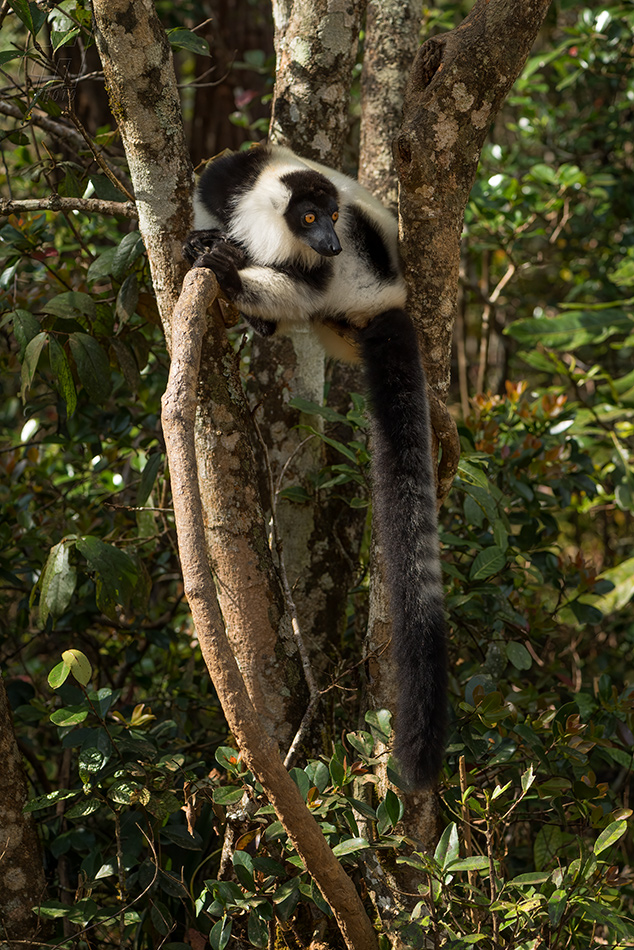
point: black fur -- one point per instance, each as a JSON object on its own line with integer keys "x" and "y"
{"x": 404, "y": 492}
{"x": 228, "y": 177}
{"x": 314, "y": 277}
{"x": 370, "y": 245}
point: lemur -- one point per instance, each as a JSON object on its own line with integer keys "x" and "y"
{"x": 293, "y": 242}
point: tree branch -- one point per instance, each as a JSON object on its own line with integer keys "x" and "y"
{"x": 126, "y": 209}
{"x": 257, "y": 748}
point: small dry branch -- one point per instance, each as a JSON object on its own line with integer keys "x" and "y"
{"x": 56, "y": 203}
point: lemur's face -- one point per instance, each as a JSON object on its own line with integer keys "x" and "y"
{"x": 313, "y": 222}
{"x": 312, "y": 210}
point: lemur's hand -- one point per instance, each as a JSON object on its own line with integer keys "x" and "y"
{"x": 225, "y": 260}
{"x": 212, "y": 249}
{"x": 200, "y": 242}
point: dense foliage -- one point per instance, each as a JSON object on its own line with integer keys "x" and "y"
{"x": 154, "y": 834}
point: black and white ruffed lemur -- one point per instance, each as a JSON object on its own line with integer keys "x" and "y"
{"x": 294, "y": 243}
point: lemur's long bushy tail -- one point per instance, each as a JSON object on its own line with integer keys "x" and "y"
{"x": 404, "y": 492}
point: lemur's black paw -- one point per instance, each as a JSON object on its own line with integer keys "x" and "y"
{"x": 225, "y": 260}
{"x": 199, "y": 242}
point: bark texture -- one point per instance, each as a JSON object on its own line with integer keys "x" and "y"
{"x": 144, "y": 97}
{"x": 249, "y": 591}
{"x": 316, "y": 45}
{"x": 258, "y": 749}
{"x": 457, "y": 85}
{"x": 139, "y": 73}
{"x": 22, "y": 883}
{"x": 391, "y": 41}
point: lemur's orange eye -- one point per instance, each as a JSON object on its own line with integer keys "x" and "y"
{"x": 309, "y": 218}
{"x": 335, "y": 215}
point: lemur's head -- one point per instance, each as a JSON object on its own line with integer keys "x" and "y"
{"x": 312, "y": 211}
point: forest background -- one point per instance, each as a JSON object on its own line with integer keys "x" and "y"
{"x": 153, "y": 831}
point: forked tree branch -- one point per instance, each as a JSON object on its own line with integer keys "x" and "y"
{"x": 257, "y": 748}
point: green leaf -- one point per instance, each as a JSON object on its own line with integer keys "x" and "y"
{"x": 394, "y": 807}
{"x": 314, "y": 409}
{"x": 58, "y": 675}
{"x": 476, "y": 863}
{"x": 351, "y": 846}
{"x": 91, "y": 761}
{"x": 25, "y": 328}
{"x": 622, "y": 577}
{"x": 93, "y": 366}
{"x": 528, "y": 777}
{"x": 127, "y": 363}
{"x": 30, "y": 14}
{"x": 228, "y": 795}
{"x": 64, "y": 381}
{"x": 129, "y": 250}
{"x": 69, "y": 715}
{"x": 72, "y": 304}
{"x": 296, "y": 494}
{"x": 572, "y": 329}
{"x": 58, "y": 582}
{"x": 79, "y": 665}
{"x": 519, "y": 656}
{"x": 125, "y": 791}
{"x": 6, "y": 55}
{"x": 220, "y": 934}
{"x": 556, "y": 907}
{"x": 488, "y": 562}
{"x": 45, "y": 801}
{"x": 448, "y": 848}
{"x": 546, "y": 845}
{"x": 62, "y": 39}
{"x": 257, "y": 930}
{"x": 117, "y": 574}
{"x": 380, "y": 722}
{"x": 243, "y": 866}
{"x": 184, "y": 39}
{"x": 32, "y": 355}
{"x": 82, "y": 809}
{"x": 127, "y": 298}
{"x": 609, "y": 836}
{"x": 148, "y": 477}
{"x": 102, "y": 266}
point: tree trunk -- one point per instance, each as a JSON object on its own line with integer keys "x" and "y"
{"x": 257, "y": 748}
{"x": 21, "y": 872}
{"x": 449, "y": 107}
{"x": 392, "y": 28}
{"x": 316, "y": 44}
{"x": 140, "y": 78}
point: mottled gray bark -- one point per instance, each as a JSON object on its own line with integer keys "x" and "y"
{"x": 391, "y": 40}
{"x": 22, "y": 883}
{"x": 139, "y": 74}
{"x": 316, "y": 43}
{"x": 144, "y": 98}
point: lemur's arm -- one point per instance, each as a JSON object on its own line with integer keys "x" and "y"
{"x": 267, "y": 293}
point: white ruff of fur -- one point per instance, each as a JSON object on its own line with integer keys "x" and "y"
{"x": 258, "y": 220}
